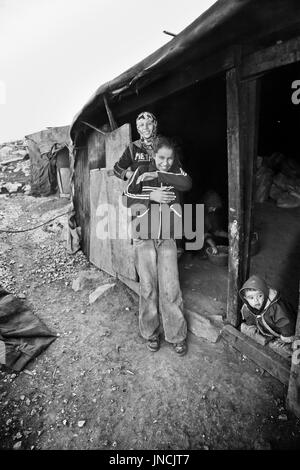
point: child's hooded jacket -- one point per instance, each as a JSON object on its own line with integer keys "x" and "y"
{"x": 154, "y": 222}
{"x": 276, "y": 317}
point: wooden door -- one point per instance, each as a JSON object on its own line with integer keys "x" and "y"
{"x": 113, "y": 254}
{"x": 122, "y": 249}
{"x": 100, "y": 246}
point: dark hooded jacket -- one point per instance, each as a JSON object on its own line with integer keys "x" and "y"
{"x": 154, "y": 220}
{"x": 135, "y": 155}
{"x": 276, "y": 317}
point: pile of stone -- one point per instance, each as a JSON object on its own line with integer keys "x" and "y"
{"x": 13, "y": 151}
{"x": 15, "y": 177}
{"x": 14, "y": 168}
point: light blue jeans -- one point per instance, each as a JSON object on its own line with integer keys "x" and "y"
{"x": 160, "y": 292}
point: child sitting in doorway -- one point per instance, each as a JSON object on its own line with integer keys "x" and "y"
{"x": 266, "y": 315}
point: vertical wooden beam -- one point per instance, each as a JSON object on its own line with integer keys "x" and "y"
{"x": 293, "y": 396}
{"x": 250, "y": 122}
{"x": 241, "y": 147}
{"x": 82, "y": 197}
{"x": 111, "y": 119}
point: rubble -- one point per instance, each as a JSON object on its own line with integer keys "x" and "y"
{"x": 13, "y": 151}
{"x": 86, "y": 280}
{"x": 99, "y": 291}
{"x": 18, "y": 445}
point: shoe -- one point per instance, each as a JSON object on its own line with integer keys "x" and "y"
{"x": 180, "y": 348}
{"x": 153, "y": 344}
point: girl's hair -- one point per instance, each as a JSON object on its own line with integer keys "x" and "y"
{"x": 162, "y": 141}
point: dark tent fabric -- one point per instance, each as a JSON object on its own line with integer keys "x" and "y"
{"x": 43, "y": 171}
{"x": 23, "y": 336}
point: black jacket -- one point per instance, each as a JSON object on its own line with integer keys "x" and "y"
{"x": 134, "y": 155}
{"x": 153, "y": 220}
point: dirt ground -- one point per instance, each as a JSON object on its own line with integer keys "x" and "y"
{"x": 97, "y": 386}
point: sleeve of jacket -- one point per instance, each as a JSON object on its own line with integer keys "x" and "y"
{"x": 247, "y": 317}
{"x": 284, "y": 322}
{"x": 133, "y": 190}
{"x": 180, "y": 180}
{"x": 123, "y": 164}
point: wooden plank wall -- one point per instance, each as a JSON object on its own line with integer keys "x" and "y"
{"x": 100, "y": 247}
{"x": 122, "y": 249}
{"x": 96, "y": 150}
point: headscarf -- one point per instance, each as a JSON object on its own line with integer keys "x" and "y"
{"x": 146, "y": 115}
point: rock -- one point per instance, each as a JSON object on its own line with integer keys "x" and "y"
{"x": 12, "y": 187}
{"x": 99, "y": 291}
{"x": 261, "y": 444}
{"x": 18, "y": 445}
{"x": 282, "y": 417}
{"x": 4, "y": 151}
{"x": 85, "y": 280}
{"x": 204, "y": 325}
{"x": 81, "y": 423}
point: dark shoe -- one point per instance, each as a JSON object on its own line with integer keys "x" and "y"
{"x": 180, "y": 348}
{"x": 153, "y": 344}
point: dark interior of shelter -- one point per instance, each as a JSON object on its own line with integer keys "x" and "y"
{"x": 277, "y": 195}
{"x": 196, "y": 118}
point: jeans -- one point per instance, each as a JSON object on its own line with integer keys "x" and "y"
{"x": 159, "y": 290}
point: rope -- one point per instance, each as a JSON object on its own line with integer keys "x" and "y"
{"x": 34, "y": 228}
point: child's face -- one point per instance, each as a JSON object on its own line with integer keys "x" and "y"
{"x": 255, "y": 298}
{"x": 145, "y": 128}
{"x": 164, "y": 159}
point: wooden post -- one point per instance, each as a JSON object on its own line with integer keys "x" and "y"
{"x": 111, "y": 119}
{"x": 251, "y": 101}
{"x": 293, "y": 396}
{"x": 241, "y": 146}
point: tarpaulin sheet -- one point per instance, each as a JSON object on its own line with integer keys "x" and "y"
{"x": 23, "y": 336}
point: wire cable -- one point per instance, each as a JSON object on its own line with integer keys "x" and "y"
{"x": 34, "y": 228}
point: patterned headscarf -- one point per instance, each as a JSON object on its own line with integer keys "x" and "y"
{"x": 146, "y": 115}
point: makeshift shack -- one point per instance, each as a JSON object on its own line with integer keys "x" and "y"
{"x": 211, "y": 86}
{"x": 49, "y": 161}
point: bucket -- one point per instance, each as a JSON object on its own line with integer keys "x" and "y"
{"x": 221, "y": 258}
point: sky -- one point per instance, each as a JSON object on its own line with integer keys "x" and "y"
{"x": 54, "y": 54}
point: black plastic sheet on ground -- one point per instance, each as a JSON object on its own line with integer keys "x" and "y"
{"x": 23, "y": 336}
